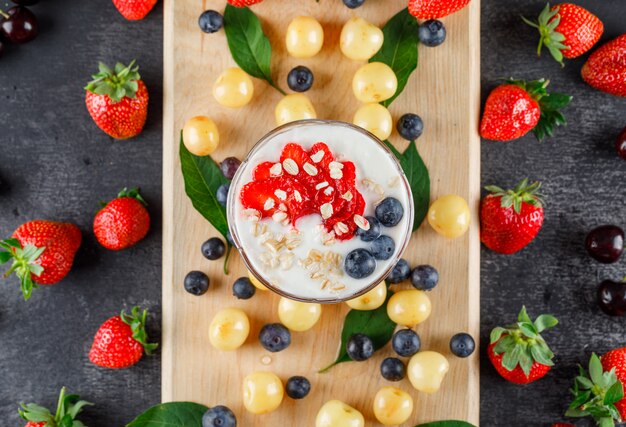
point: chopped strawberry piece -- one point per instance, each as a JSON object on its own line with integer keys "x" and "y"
{"x": 260, "y": 195}
{"x": 262, "y": 171}
{"x": 325, "y": 159}
{"x": 296, "y": 153}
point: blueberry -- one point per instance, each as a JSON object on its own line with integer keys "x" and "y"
{"x": 213, "y": 248}
{"x": 462, "y": 345}
{"x": 389, "y": 212}
{"x": 432, "y": 33}
{"x": 219, "y": 416}
{"x": 243, "y": 288}
{"x": 222, "y": 194}
{"x": 401, "y": 271}
{"x": 393, "y": 369}
{"x": 405, "y": 342}
{"x": 359, "y": 263}
{"x": 229, "y": 237}
{"x": 410, "y": 126}
{"x": 372, "y": 233}
{"x": 359, "y": 347}
{"x": 210, "y": 21}
{"x": 196, "y": 283}
{"x": 300, "y": 79}
{"x": 229, "y": 167}
{"x": 353, "y": 4}
{"x": 298, "y": 387}
{"x": 275, "y": 337}
{"x": 424, "y": 277}
{"x": 383, "y": 247}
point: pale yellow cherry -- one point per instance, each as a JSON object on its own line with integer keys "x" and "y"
{"x": 409, "y": 307}
{"x": 295, "y": 106}
{"x": 374, "y": 82}
{"x": 360, "y": 39}
{"x": 262, "y": 392}
{"x": 335, "y": 413}
{"x": 298, "y": 316}
{"x": 305, "y": 37}
{"x": 427, "y": 370}
{"x": 233, "y": 88}
{"x": 370, "y": 300}
{"x": 374, "y": 118}
{"x": 229, "y": 329}
{"x": 392, "y": 406}
{"x": 200, "y": 136}
{"x": 449, "y": 216}
{"x": 256, "y": 282}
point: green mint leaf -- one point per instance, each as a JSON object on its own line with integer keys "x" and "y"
{"x": 399, "y": 50}
{"x": 447, "y": 424}
{"x": 545, "y": 321}
{"x": 173, "y": 414}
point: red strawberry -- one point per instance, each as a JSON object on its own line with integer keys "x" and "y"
{"x": 67, "y": 410}
{"x": 134, "y": 10}
{"x": 567, "y": 30}
{"x": 42, "y": 253}
{"x": 117, "y": 100}
{"x": 121, "y": 341}
{"x": 605, "y": 69}
{"x": 518, "y": 352}
{"x": 262, "y": 171}
{"x": 510, "y": 220}
{"x": 435, "y": 9}
{"x": 563, "y": 425}
{"x": 616, "y": 359}
{"x": 514, "y": 109}
{"x": 243, "y": 3}
{"x": 123, "y": 221}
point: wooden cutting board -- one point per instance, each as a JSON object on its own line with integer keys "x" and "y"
{"x": 444, "y": 91}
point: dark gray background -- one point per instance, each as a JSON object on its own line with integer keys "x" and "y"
{"x": 55, "y": 164}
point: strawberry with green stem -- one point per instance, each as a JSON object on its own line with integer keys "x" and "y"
{"x": 68, "y": 408}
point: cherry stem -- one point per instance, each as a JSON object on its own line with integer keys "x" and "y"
{"x": 4, "y": 14}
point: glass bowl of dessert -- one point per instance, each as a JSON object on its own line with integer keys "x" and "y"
{"x": 320, "y": 211}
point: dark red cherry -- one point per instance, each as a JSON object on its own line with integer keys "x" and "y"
{"x": 612, "y": 297}
{"x": 25, "y": 2}
{"x": 605, "y": 243}
{"x": 19, "y": 25}
{"x": 620, "y": 144}
{"x": 1, "y": 48}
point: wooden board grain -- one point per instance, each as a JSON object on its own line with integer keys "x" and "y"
{"x": 444, "y": 90}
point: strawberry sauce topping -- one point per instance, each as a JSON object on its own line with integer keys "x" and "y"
{"x": 305, "y": 183}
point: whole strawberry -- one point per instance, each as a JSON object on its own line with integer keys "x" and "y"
{"x": 117, "y": 100}
{"x": 605, "y": 69}
{"x": 567, "y": 30}
{"x": 42, "y": 253}
{"x": 243, "y": 3}
{"x": 517, "y": 107}
{"x": 518, "y": 352}
{"x": 435, "y": 9}
{"x": 510, "y": 219}
{"x": 68, "y": 409}
{"x": 598, "y": 392}
{"x": 121, "y": 341}
{"x": 134, "y": 10}
{"x": 563, "y": 425}
{"x": 123, "y": 221}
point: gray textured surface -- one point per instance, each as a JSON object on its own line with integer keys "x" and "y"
{"x": 58, "y": 165}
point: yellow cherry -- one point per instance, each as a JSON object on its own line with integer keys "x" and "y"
{"x": 200, "y": 136}
{"x": 409, "y": 307}
{"x": 229, "y": 329}
{"x": 427, "y": 370}
{"x": 370, "y": 300}
{"x": 449, "y": 216}
{"x": 256, "y": 282}
{"x": 392, "y": 406}
{"x": 298, "y": 316}
{"x": 296, "y": 106}
{"x": 233, "y": 88}
{"x": 335, "y": 413}
{"x": 374, "y": 118}
{"x": 374, "y": 82}
{"x": 360, "y": 40}
{"x": 262, "y": 392}
{"x": 305, "y": 37}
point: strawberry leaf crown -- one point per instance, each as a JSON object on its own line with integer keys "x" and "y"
{"x": 546, "y": 23}
{"x": 595, "y": 394}
{"x": 550, "y": 105}
{"x": 521, "y": 343}
{"x": 522, "y": 193}
{"x": 137, "y": 323}
{"x": 68, "y": 408}
{"x": 25, "y": 263}
{"x": 118, "y": 83}
{"x": 132, "y": 193}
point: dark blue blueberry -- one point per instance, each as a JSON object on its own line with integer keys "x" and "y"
{"x": 432, "y": 33}
{"x": 359, "y": 263}
{"x": 219, "y": 416}
{"x": 243, "y": 288}
{"x": 213, "y": 248}
{"x": 389, "y": 212}
{"x": 298, "y": 387}
{"x": 222, "y": 194}
{"x": 401, "y": 271}
{"x": 353, "y": 4}
{"x": 406, "y": 342}
{"x": 196, "y": 283}
{"x": 462, "y": 345}
{"x": 393, "y": 369}
{"x": 275, "y": 337}
{"x": 300, "y": 79}
{"x": 410, "y": 126}
{"x": 424, "y": 277}
{"x": 210, "y": 21}
{"x": 359, "y": 347}
{"x": 229, "y": 167}
{"x": 383, "y": 247}
{"x": 372, "y": 233}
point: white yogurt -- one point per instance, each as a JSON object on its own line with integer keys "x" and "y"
{"x": 293, "y": 279}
